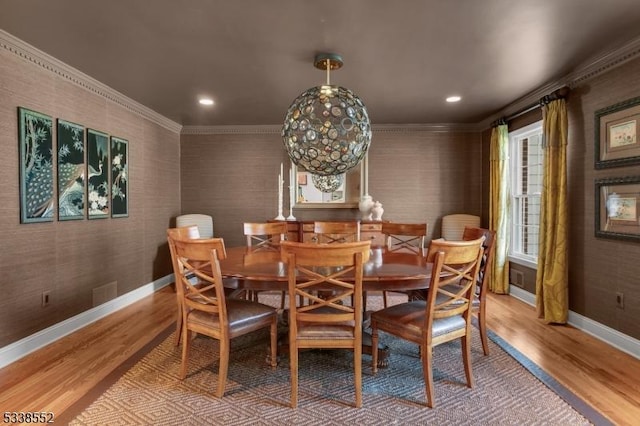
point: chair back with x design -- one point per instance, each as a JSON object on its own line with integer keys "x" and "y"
{"x": 405, "y": 237}
{"x": 265, "y": 236}
{"x": 337, "y": 232}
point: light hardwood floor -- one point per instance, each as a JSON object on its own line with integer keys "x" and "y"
{"x": 55, "y": 377}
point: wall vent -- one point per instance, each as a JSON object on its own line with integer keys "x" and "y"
{"x": 105, "y": 293}
{"x": 516, "y": 278}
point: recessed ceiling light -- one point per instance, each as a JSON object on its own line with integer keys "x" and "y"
{"x": 453, "y": 99}
{"x": 206, "y": 101}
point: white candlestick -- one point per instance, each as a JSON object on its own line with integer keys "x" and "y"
{"x": 366, "y": 175}
{"x": 280, "y": 182}
{"x": 362, "y": 188}
{"x": 292, "y": 193}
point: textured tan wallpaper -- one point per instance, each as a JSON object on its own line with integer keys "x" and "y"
{"x": 71, "y": 258}
{"x": 417, "y": 176}
{"x": 600, "y": 267}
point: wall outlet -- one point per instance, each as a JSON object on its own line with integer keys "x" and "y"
{"x": 620, "y": 300}
{"x": 46, "y": 298}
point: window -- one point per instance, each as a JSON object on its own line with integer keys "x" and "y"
{"x": 525, "y": 147}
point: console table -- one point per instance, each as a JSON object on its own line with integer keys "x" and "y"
{"x": 302, "y": 231}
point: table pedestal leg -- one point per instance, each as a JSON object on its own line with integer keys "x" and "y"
{"x": 383, "y": 350}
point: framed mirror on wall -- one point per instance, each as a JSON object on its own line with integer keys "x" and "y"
{"x": 344, "y": 191}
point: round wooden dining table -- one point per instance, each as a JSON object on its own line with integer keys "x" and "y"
{"x": 385, "y": 270}
{"x": 389, "y": 270}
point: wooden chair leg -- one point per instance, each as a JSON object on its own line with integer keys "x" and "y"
{"x": 482, "y": 326}
{"x": 179, "y": 325}
{"x": 186, "y": 343}
{"x": 224, "y": 366}
{"x": 466, "y": 358}
{"x": 357, "y": 355}
{"x": 274, "y": 342}
{"x": 427, "y": 355}
{"x": 374, "y": 347}
{"x": 293, "y": 361}
{"x": 384, "y": 299}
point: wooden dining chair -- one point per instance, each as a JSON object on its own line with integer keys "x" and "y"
{"x": 431, "y": 322}
{"x": 479, "y": 303}
{"x": 333, "y": 322}
{"x": 207, "y": 311}
{"x": 181, "y": 232}
{"x": 336, "y": 232}
{"x": 265, "y": 236}
{"x": 403, "y": 237}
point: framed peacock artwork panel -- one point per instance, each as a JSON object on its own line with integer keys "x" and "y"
{"x": 37, "y": 198}
{"x": 119, "y": 177}
{"x": 72, "y": 184}
{"x": 97, "y": 174}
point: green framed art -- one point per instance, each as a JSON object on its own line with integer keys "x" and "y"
{"x": 37, "y": 200}
{"x": 617, "y": 209}
{"x": 97, "y": 174}
{"x": 72, "y": 184}
{"x": 617, "y": 128}
{"x": 119, "y": 177}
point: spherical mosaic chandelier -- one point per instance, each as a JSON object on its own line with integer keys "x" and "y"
{"x": 328, "y": 183}
{"x": 326, "y": 130}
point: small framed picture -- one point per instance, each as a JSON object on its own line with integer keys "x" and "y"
{"x": 617, "y": 208}
{"x": 302, "y": 178}
{"x": 616, "y": 135}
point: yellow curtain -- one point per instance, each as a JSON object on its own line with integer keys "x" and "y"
{"x": 499, "y": 208}
{"x": 552, "y": 298}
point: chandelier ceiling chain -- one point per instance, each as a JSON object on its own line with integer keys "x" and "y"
{"x": 327, "y": 130}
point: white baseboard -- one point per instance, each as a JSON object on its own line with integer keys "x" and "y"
{"x": 600, "y": 331}
{"x": 23, "y": 347}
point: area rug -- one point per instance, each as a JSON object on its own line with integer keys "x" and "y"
{"x": 505, "y": 392}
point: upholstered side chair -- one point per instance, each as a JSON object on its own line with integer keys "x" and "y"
{"x": 444, "y": 316}
{"x": 332, "y": 322}
{"x": 207, "y": 311}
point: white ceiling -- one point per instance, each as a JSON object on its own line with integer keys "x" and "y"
{"x": 253, "y": 57}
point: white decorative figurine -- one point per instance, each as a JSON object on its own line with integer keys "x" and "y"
{"x": 365, "y": 205}
{"x": 377, "y": 210}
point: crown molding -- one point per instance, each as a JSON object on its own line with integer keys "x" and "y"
{"x": 588, "y": 70}
{"x": 603, "y": 63}
{"x": 269, "y": 129}
{"x": 432, "y": 128}
{"x": 60, "y": 69}
{"x": 377, "y": 128}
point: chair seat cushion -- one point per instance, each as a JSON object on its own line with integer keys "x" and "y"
{"x": 241, "y": 314}
{"x": 411, "y": 316}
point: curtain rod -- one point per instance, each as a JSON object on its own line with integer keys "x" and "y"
{"x": 556, "y": 94}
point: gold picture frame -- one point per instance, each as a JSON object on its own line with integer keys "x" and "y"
{"x": 617, "y": 138}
